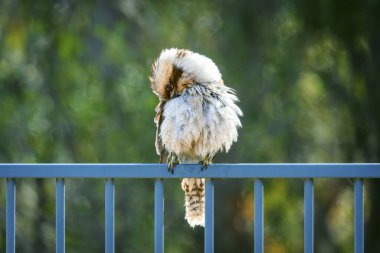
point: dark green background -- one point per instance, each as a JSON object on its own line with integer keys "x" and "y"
{"x": 74, "y": 88}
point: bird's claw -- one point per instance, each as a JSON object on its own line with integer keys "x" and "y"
{"x": 205, "y": 162}
{"x": 172, "y": 161}
{"x": 171, "y": 165}
{"x": 204, "y": 165}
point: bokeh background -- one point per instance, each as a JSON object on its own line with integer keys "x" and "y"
{"x": 74, "y": 88}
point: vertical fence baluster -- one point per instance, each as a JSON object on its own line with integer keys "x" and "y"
{"x": 11, "y": 216}
{"x": 60, "y": 215}
{"x": 110, "y": 215}
{"x": 259, "y": 216}
{"x": 359, "y": 216}
{"x": 209, "y": 217}
{"x": 309, "y": 216}
{"x": 159, "y": 216}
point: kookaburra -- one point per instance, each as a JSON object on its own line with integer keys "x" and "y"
{"x": 197, "y": 117}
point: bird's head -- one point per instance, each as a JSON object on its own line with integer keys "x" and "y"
{"x": 177, "y": 69}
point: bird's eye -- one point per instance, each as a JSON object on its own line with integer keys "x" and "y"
{"x": 169, "y": 87}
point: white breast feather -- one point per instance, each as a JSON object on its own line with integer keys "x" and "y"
{"x": 197, "y": 124}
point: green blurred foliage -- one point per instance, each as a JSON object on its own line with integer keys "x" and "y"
{"x": 74, "y": 88}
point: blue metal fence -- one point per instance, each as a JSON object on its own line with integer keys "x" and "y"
{"x": 307, "y": 172}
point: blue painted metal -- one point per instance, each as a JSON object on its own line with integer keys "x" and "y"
{"x": 209, "y": 217}
{"x": 110, "y": 171}
{"x": 251, "y": 170}
{"x": 359, "y": 216}
{"x": 259, "y": 216}
{"x": 110, "y": 215}
{"x": 308, "y": 216}
{"x": 159, "y": 216}
{"x": 60, "y": 215}
{"x": 11, "y": 216}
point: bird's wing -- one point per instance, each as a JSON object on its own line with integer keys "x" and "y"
{"x": 158, "y": 120}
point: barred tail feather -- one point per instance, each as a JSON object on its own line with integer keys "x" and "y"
{"x": 194, "y": 200}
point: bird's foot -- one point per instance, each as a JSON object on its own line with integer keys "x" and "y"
{"x": 204, "y": 164}
{"x": 172, "y": 161}
{"x": 171, "y": 165}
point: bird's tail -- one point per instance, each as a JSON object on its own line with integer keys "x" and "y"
{"x": 194, "y": 189}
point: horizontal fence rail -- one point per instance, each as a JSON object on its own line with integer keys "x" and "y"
{"x": 243, "y": 170}
{"x": 159, "y": 172}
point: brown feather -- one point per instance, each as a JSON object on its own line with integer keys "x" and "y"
{"x": 158, "y": 120}
{"x": 175, "y": 76}
{"x": 182, "y": 53}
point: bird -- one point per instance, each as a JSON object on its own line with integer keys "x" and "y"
{"x": 196, "y": 117}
